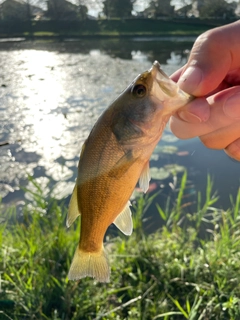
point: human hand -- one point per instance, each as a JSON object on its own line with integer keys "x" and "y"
{"x": 212, "y": 74}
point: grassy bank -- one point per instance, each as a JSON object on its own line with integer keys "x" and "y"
{"x": 107, "y": 28}
{"x": 171, "y": 274}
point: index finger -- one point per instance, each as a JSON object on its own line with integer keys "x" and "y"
{"x": 214, "y": 54}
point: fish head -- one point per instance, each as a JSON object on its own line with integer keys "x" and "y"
{"x": 144, "y": 107}
{"x": 165, "y": 91}
{"x": 153, "y": 92}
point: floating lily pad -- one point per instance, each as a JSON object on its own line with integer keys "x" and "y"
{"x": 158, "y": 149}
{"x": 154, "y": 157}
{"x": 159, "y": 173}
{"x": 169, "y": 138}
{"x": 170, "y": 149}
{"x": 174, "y": 168}
{"x": 165, "y": 149}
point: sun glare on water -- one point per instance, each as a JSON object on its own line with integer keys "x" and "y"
{"x": 50, "y": 101}
{"x": 42, "y": 89}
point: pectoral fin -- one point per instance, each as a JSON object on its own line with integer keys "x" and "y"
{"x": 73, "y": 211}
{"x": 124, "y": 221}
{"x": 145, "y": 178}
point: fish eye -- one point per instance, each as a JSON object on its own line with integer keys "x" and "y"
{"x": 139, "y": 91}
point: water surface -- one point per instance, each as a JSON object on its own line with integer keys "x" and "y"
{"x": 52, "y": 93}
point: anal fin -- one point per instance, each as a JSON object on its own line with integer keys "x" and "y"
{"x": 145, "y": 178}
{"x": 73, "y": 211}
{"x": 124, "y": 220}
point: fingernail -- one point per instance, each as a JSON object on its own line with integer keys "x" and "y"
{"x": 231, "y": 106}
{"x": 190, "y": 79}
{"x": 189, "y": 117}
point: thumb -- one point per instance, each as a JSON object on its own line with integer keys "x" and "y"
{"x": 213, "y": 55}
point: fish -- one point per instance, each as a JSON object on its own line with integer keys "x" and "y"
{"x": 114, "y": 157}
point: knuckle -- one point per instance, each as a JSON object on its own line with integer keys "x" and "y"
{"x": 209, "y": 40}
{"x": 233, "y": 150}
{"x": 210, "y": 143}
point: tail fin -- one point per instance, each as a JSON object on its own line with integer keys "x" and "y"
{"x": 92, "y": 264}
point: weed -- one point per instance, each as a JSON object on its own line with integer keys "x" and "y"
{"x": 174, "y": 273}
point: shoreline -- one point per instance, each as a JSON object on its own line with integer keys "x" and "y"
{"x": 72, "y": 37}
{"x": 107, "y": 29}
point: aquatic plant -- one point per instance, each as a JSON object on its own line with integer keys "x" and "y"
{"x": 175, "y": 273}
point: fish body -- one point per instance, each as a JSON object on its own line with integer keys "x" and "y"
{"x": 113, "y": 158}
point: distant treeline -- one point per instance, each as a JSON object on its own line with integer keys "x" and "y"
{"x": 15, "y": 10}
{"x": 109, "y": 27}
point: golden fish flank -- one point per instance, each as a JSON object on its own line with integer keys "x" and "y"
{"x": 113, "y": 158}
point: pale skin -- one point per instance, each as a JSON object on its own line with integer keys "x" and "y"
{"x": 212, "y": 74}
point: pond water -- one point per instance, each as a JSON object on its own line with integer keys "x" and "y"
{"x": 51, "y": 93}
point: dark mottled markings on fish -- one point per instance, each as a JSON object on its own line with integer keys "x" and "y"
{"x": 124, "y": 129}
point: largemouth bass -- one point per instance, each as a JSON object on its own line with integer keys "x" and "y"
{"x": 113, "y": 158}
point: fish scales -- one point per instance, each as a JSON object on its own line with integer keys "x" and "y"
{"x": 113, "y": 158}
{"x": 105, "y": 187}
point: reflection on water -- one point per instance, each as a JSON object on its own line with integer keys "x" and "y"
{"x": 52, "y": 93}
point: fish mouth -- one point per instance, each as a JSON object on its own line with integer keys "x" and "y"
{"x": 164, "y": 82}
{"x": 166, "y": 90}
{"x": 156, "y": 71}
